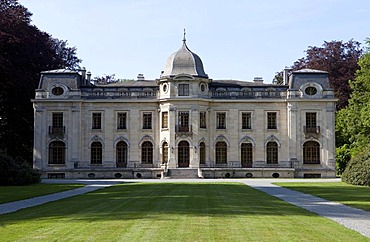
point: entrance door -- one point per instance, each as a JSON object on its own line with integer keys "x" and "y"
{"x": 183, "y": 154}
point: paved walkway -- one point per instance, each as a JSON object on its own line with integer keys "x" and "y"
{"x": 353, "y": 218}
{"x": 90, "y": 186}
{"x": 356, "y": 219}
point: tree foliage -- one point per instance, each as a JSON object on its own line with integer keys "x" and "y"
{"x": 25, "y": 51}
{"x": 339, "y": 59}
{"x": 353, "y": 122}
{"x": 12, "y": 173}
{"x": 105, "y": 79}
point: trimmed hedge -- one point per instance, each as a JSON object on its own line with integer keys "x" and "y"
{"x": 12, "y": 173}
{"x": 358, "y": 169}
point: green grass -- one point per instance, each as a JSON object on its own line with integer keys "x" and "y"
{"x": 354, "y": 196}
{"x": 171, "y": 212}
{"x": 15, "y": 193}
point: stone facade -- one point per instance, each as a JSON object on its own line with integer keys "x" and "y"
{"x": 184, "y": 124}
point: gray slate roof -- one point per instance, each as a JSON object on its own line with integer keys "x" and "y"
{"x": 184, "y": 61}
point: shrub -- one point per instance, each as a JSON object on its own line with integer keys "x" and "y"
{"x": 342, "y": 157}
{"x": 358, "y": 169}
{"x": 12, "y": 173}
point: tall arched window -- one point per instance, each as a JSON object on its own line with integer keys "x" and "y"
{"x": 147, "y": 153}
{"x": 96, "y": 153}
{"x": 221, "y": 152}
{"x": 311, "y": 152}
{"x": 57, "y": 152}
{"x": 246, "y": 154}
{"x": 121, "y": 154}
{"x": 202, "y": 153}
{"x": 164, "y": 152}
{"x": 272, "y": 152}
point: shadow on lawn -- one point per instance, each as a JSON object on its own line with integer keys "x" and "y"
{"x": 161, "y": 201}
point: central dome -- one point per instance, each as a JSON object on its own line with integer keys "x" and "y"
{"x": 184, "y": 61}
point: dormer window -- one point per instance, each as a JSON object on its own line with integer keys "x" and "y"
{"x": 57, "y": 91}
{"x": 310, "y": 91}
{"x": 183, "y": 89}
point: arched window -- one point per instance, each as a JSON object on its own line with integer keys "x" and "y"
{"x": 221, "y": 152}
{"x": 164, "y": 153}
{"x": 147, "y": 153}
{"x": 202, "y": 153}
{"x": 183, "y": 154}
{"x": 311, "y": 152}
{"x": 246, "y": 154}
{"x": 121, "y": 154}
{"x": 57, "y": 152}
{"x": 272, "y": 152}
{"x": 96, "y": 153}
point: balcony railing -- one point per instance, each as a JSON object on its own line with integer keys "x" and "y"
{"x": 311, "y": 129}
{"x": 57, "y": 131}
{"x": 184, "y": 129}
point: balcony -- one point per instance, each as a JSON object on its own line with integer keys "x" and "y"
{"x": 57, "y": 132}
{"x": 311, "y": 129}
{"x": 184, "y": 131}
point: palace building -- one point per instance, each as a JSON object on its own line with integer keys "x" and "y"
{"x": 184, "y": 125}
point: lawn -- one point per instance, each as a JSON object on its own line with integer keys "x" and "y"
{"x": 171, "y": 212}
{"x": 15, "y": 193}
{"x": 354, "y": 196}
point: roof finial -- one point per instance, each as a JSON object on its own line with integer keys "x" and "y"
{"x": 184, "y": 39}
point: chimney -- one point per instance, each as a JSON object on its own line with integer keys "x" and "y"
{"x": 140, "y": 77}
{"x": 83, "y": 75}
{"x": 88, "y": 77}
{"x": 258, "y": 80}
{"x": 286, "y": 72}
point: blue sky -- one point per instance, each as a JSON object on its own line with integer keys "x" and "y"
{"x": 236, "y": 39}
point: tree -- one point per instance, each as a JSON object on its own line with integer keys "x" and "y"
{"x": 353, "y": 122}
{"x": 25, "y": 51}
{"x": 105, "y": 79}
{"x": 339, "y": 59}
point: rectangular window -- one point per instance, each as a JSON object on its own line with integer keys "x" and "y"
{"x": 311, "y": 120}
{"x": 271, "y": 120}
{"x": 122, "y": 121}
{"x": 147, "y": 120}
{"x": 57, "y": 127}
{"x": 164, "y": 120}
{"x": 221, "y": 120}
{"x": 246, "y": 120}
{"x": 202, "y": 120}
{"x": 183, "y": 89}
{"x": 96, "y": 121}
{"x": 183, "y": 122}
{"x": 57, "y": 120}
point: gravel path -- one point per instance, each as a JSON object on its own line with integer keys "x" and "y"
{"x": 353, "y": 218}
{"x": 356, "y": 219}
{"x": 31, "y": 202}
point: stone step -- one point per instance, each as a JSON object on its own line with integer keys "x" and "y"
{"x": 182, "y": 173}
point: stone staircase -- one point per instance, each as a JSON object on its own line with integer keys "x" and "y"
{"x": 182, "y": 173}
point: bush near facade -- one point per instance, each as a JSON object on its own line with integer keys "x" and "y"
{"x": 12, "y": 173}
{"x": 358, "y": 169}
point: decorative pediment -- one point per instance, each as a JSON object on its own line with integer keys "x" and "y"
{"x": 121, "y": 138}
{"x": 246, "y": 139}
{"x": 272, "y": 138}
{"x": 222, "y": 138}
{"x": 183, "y": 77}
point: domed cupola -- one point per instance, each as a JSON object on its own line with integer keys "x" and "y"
{"x": 184, "y": 61}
